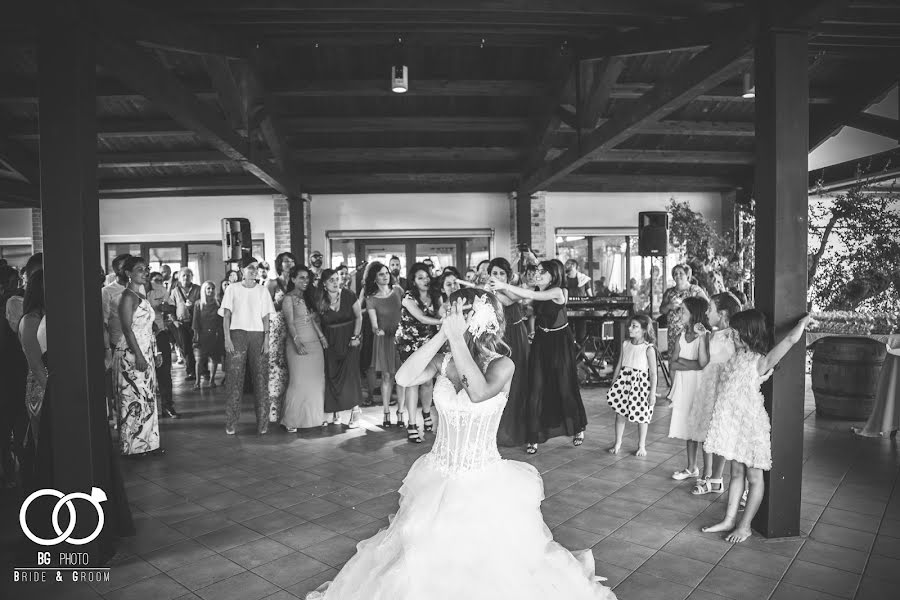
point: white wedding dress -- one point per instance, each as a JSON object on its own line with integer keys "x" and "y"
{"x": 469, "y": 524}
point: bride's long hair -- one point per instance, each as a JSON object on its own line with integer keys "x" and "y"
{"x": 489, "y": 344}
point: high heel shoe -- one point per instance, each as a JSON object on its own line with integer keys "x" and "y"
{"x": 412, "y": 435}
{"x": 387, "y": 420}
{"x": 427, "y": 422}
{"x": 578, "y": 439}
{"x": 531, "y": 448}
{"x": 400, "y": 421}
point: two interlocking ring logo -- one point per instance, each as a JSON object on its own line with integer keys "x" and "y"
{"x": 95, "y": 498}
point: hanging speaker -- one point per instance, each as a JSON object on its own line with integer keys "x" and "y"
{"x": 653, "y": 233}
{"x": 237, "y": 241}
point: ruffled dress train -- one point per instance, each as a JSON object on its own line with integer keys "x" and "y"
{"x": 469, "y": 525}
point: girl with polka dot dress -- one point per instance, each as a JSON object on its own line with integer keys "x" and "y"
{"x": 633, "y": 392}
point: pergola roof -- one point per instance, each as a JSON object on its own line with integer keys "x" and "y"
{"x": 213, "y": 97}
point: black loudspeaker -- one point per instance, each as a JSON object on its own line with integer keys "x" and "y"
{"x": 653, "y": 233}
{"x": 237, "y": 241}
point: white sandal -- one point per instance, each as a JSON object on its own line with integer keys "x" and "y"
{"x": 705, "y": 486}
{"x": 685, "y": 474}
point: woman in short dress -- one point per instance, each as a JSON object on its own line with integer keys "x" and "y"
{"x": 304, "y": 400}
{"x": 278, "y": 369}
{"x": 384, "y": 305}
{"x": 135, "y": 365}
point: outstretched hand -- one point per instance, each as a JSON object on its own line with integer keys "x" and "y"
{"x": 494, "y": 284}
{"x": 454, "y": 323}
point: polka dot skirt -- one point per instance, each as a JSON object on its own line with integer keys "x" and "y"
{"x": 629, "y": 395}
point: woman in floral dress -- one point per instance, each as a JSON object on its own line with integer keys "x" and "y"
{"x": 672, "y": 299}
{"x": 418, "y": 324}
{"x": 278, "y": 369}
{"x": 135, "y": 362}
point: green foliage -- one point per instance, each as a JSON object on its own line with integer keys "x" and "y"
{"x": 857, "y": 236}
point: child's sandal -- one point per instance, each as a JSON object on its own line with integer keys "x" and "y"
{"x": 685, "y": 474}
{"x": 705, "y": 486}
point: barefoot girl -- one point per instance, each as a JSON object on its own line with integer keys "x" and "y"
{"x": 740, "y": 430}
{"x": 713, "y": 357}
{"x": 686, "y": 376}
{"x": 633, "y": 392}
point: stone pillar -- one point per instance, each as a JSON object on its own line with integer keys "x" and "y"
{"x": 37, "y": 231}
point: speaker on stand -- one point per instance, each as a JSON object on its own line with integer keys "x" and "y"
{"x": 653, "y": 241}
{"x": 237, "y": 241}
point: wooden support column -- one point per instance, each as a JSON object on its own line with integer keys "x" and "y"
{"x": 782, "y": 133}
{"x": 70, "y": 213}
{"x": 297, "y": 226}
{"x": 523, "y": 218}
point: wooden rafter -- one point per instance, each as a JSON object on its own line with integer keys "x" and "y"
{"x": 20, "y": 159}
{"x": 719, "y": 62}
{"x": 19, "y": 192}
{"x": 146, "y": 75}
{"x": 876, "y": 124}
{"x": 826, "y": 122}
{"x": 228, "y": 92}
{"x": 597, "y": 80}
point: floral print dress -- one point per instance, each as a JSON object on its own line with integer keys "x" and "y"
{"x": 135, "y": 389}
{"x": 278, "y": 370}
{"x": 412, "y": 333}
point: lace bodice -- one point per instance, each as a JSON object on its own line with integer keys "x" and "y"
{"x": 467, "y": 431}
{"x": 721, "y": 346}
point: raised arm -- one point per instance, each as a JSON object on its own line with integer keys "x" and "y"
{"x": 781, "y": 348}
{"x": 555, "y": 294}
{"x": 423, "y": 365}
{"x": 413, "y": 307}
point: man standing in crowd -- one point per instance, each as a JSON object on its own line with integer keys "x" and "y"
{"x": 185, "y": 294}
{"x": 394, "y": 266}
{"x": 577, "y": 283}
{"x": 315, "y": 265}
{"x": 430, "y": 264}
{"x": 166, "y": 272}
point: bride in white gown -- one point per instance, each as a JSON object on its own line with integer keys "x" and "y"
{"x": 469, "y": 523}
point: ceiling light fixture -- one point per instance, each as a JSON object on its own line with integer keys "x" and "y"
{"x": 399, "y": 72}
{"x": 749, "y": 86}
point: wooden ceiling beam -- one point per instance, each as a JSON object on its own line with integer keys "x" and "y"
{"x": 149, "y": 29}
{"x": 20, "y": 159}
{"x": 407, "y": 124}
{"x": 137, "y": 160}
{"x": 598, "y": 80}
{"x": 692, "y": 157}
{"x": 228, "y": 92}
{"x": 876, "y": 124}
{"x": 563, "y": 75}
{"x": 827, "y": 121}
{"x": 157, "y": 83}
{"x": 411, "y": 154}
{"x": 20, "y": 193}
{"x": 718, "y": 63}
{"x": 642, "y": 183}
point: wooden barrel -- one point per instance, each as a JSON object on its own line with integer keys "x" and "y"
{"x": 845, "y": 376}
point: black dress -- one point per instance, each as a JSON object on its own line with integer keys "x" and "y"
{"x": 513, "y": 423}
{"x": 554, "y": 406}
{"x": 343, "y": 388}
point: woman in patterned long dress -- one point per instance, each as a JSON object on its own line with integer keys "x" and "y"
{"x": 135, "y": 372}
{"x": 418, "y": 324}
{"x": 512, "y": 430}
{"x": 278, "y": 369}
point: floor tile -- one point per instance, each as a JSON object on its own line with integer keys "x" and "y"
{"x": 622, "y": 554}
{"x": 334, "y": 551}
{"x": 699, "y": 547}
{"x": 575, "y": 539}
{"x": 303, "y": 535}
{"x": 160, "y": 587}
{"x": 291, "y": 569}
{"x": 737, "y": 584}
{"x": 884, "y": 568}
{"x": 679, "y": 569}
{"x": 821, "y": 578}
{"x": 177, "y": 555}
{"x": 205, "y": 572}
{"x": 789, "y": 591}
{"x": 764, "y": 564}
{"x": 876, "y": 589}
{"x": 257, "y": 553}
{"x": 850, "y": 519}
{"x": 228, "y": 537}
{"x": 638, "y": 533}
{"x": 640, "y": 586}
{"x": 613, "y": 574}
{"x": 244, "y": 586}
{"x": 344, "y": 520}
{"x": 887, "y": 546}
{"x": 836, "y": 557}
{"x": 841, "y": 536}
{"x": 274, "y": 522}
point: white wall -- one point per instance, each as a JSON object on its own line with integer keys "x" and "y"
{"x": 184, "y": 219}
{"x": 15, "y": 226}
{"x": 588, "y": 210}
{"x": 346, "y": 212}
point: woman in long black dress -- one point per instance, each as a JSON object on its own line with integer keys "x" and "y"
{"x": 341, "y": 320}
{"x": 513, "y": 424}
{"x": 554, "y": 405}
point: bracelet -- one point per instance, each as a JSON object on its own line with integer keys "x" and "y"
{"x": 355, "y": 337}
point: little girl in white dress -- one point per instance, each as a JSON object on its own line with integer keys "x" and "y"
{"x": 740, "y": 430}
{"x": 713, "y": 356}
{"x": 469, "y": 524}
{"x": 633, "y": 392}
{"x": 686, "y": 378}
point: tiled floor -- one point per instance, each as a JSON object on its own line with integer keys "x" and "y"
{"x": 272, "y": 517}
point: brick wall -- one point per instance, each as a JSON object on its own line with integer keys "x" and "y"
{"x": 513, "y": 228}
{"x": 282, "y": 227}
{"x": 37, "y": 231}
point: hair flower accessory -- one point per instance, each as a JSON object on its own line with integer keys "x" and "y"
{"x": 483, "y": 318}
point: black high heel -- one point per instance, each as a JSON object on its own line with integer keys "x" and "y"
{"x": 412, "y": 435}
{"x": 427, "y": 422}
{"x": 387, "y": 420}
{"x": 400, "y": 422}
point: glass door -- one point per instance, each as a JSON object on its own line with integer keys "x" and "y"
{"x": 443, "y": 253}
